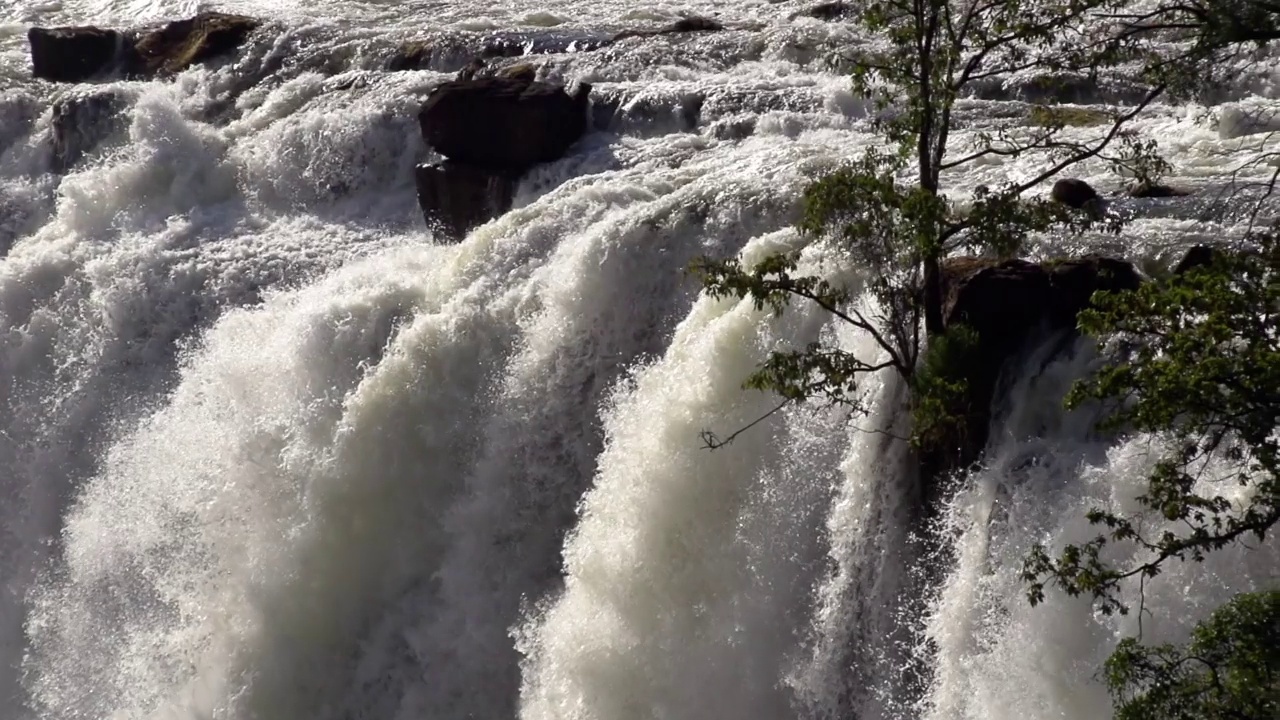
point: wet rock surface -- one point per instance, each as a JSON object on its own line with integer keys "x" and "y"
{"x": 503, "y": 123}
{"x": 82, "y": 122}
{"x": 455, "y": 197}
{"x": 78, "y": 54}
{"x": 491, "y": 130}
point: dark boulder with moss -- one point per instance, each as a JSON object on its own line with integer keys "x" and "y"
{"x": 79, "y": 54}
{"x": 1002, "y": 306}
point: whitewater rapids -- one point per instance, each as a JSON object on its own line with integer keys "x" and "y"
{"x": 268, "y": 451}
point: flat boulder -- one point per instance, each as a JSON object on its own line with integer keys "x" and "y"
{"x": 503, "y": 124}
{"x": 77, "y": 54}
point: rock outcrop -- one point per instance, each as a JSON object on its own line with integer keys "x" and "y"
{"x": 183, "y": 43}
{"x": 82, "y": 122}
{"x": 79, "y": 54}
{"x": 492, "y": 130}
{"x": 1007, "y": 304}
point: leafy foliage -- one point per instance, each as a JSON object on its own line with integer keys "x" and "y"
{"x": 886, "y": 211}
{"x": 1229, "y": 671}
{"x": 942, "y": 389}
{"x": 1197, "y": 357}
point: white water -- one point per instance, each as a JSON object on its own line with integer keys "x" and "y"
{"x": 268, "y": 451}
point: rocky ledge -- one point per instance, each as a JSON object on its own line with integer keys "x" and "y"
{"x": 79, "y": 54}
{"x": 1008, "y": 304}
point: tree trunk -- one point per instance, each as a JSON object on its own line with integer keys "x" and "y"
{"x": 932, "y": 297}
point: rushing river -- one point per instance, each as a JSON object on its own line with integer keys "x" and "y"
{"x": 270, "y": 452}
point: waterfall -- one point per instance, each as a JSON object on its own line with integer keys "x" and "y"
{"x": 269, "y": 450}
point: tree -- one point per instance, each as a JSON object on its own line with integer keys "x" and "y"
{"x": 1229, "y": 671}
{"x": 888, "y": 210}
{"x": 1196, "y": 357}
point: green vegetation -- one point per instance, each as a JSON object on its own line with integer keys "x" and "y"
{"x": 1197, "y": 356}
{"x": 887, "y": 211}
{"x": 1196, "y": 359}
{"x": 1229, "y": 671}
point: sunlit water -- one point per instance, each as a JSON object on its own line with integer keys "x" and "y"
{"x": 267, "y": 451}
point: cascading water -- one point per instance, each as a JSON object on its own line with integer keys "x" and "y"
{"x": 268, "y": 450}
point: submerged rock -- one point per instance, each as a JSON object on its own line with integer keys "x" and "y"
{"x": 681, "y": 26}
{"x": 503, "y": 124}
{"x": 1155, "y": 190}
{"x": 77, "y": 54}
{"x": 455, "y": 197}
{"x": 826, "y": 11}
{"x": 1074, "y": 193}
{"x": 83, "y": 122}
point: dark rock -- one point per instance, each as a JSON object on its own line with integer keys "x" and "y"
{"x": 184, "y": 43}
{"x": 1154, "y": 190}
{"x": 456, "y": 198}
{"x": 83, "y": 122}
{"x": 1197, "y": 256}
{"x": 827, "y": 11}
{"x": 503, "y": 124}
{"x": 76, "y": 54}
{"x": 1008, "y": 304}
{"x": 681, "y": 26}
{"x": 520, "y": 71}
{"x": 412, "y": 56}
{"x": 472, "y": 70}
{"x": 1074, "y": 193}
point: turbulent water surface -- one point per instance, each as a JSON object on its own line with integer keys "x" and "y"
{"x": 269, "y": 451}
